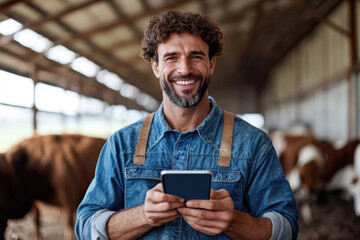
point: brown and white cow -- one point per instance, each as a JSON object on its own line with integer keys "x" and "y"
{"x": 347, "y": 178}
{"x": 311, "y": 164}
{"x": 55, "y": 169}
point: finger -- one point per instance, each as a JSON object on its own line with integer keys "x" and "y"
{"x": 208, "y": 230}
{"x": 156, "y": 219}
{"x": 163, "y": 206}
{"x": 220, "y": 216}
{"x": 159, "y": 187}
{"x": 219, "y": 194}
{"x": 156, "y": 196}
{"x": 212, "y": 194}
{"x": 224, "y": 204}
{"x": 162, "y": 215}
{"x": 213, "y": 205}
{"x": 205, "y": 226}
{"x": 198, "y": 223}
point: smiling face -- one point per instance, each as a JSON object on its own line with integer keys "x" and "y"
{"x": 184, "y": 69}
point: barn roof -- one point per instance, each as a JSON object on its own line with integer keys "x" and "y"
{"x": 107, "y": 34}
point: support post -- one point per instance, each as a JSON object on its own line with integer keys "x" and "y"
{"x": 353, "y": 113}
{"x": 34, "y": 77}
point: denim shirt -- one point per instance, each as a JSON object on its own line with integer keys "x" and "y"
{"x": 254, "y": 179}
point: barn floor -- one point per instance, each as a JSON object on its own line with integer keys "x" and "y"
{"x": 332, "y": 220}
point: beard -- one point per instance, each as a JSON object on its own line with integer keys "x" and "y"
{"x": 181, "y": 101}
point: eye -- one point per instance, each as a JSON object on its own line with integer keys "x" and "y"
{"x": 170, "y": 59}
{"x": 197, "y": 57}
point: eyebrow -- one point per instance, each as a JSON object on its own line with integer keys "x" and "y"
{"x": 197, "y": 53}
{"x": 191, "y": 53}
{"x": 169, "y": 54}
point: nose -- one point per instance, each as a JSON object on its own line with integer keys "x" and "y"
{"x": 184, "y": 66}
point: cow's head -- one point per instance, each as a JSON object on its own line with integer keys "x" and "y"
{"x": 6, "y": 192}
{"x": 12, "y": 205}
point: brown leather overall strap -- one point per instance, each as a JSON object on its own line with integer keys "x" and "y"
{"x": 226, "y": 140}
{"x": 225, "y": 147}
{"x": 139, "y": 156}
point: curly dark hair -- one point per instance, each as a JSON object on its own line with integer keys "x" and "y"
{"x": 160, "y": 28}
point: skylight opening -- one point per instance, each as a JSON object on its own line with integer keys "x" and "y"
{"x": 255, "y": 119}
{"x": 49, "y": 98}
{"x": 89, "y": 105}
{"x": 148, "y": 102}
{"x": 9, "y": 26}
{"x": 11, "y": 93}
{"x": 129, "y": 91}
{"x": 109, "y": 79}
{"x": 85, "y": 67}
{"x": 31, "y": 39}
{"x": 61, "y": 54}
{"x": 71, "y": 103}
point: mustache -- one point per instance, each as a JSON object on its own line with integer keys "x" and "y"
{"x": 190, "y": 76}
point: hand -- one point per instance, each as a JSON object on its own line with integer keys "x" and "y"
{"x": 159, "y": 207}
{"x": 212, "y": 216}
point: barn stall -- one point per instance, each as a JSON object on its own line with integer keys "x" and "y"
{"x": 293, "y": 63}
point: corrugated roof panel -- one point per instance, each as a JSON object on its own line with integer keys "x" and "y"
{"x": 156, "y": 3}
{"x": 191, "y": 6}
{"x": 102, "y": 12}
{"x": 129, "y": 52}
{"x": 142, "y": 23}
{"x": 53, "y": 6}
{"x": 130, "y": 8}
{"x": 82, "y": 20}
{"x": 55, "y": 30}
{"x": 113, "y": 36}
{"x": 26, "y": 12}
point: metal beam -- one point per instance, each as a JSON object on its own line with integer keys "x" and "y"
{"x": 315, "y": 14}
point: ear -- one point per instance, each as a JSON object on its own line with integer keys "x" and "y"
{"x": 155, "y": 68}
{"x": 212, "y": 64}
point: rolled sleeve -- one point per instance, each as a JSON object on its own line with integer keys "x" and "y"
{"x": 98, "y": 224}
{"x": 103, "y": 198}
{"x": 281, "y": 228}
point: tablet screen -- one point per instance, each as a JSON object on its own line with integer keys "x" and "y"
{"x": 187, "y": 184}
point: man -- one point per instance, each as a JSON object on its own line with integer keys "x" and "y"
{"x": 250, "y": 198}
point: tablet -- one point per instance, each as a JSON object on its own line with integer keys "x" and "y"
{"x": 188, "y": 184}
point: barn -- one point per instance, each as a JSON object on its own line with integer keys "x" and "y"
{"x": 71, "y": 75}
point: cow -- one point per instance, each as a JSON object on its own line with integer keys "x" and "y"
{"x": 347, "y": 179}
{"x": 303, "y": 159}
{"x": 310, "y": 164}
{"x": 54, "y": 169}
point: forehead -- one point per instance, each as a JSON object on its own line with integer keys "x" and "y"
{"x": 182, "y": 43}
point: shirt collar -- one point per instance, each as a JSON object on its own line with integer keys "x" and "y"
{"x": 205, "y": 129}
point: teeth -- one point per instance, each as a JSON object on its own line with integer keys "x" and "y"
{"x": 185, "y": 82}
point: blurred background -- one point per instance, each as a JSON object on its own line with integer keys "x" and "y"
{"x": 74, "y": 67}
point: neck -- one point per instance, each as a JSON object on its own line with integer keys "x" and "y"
{"x": 186, "y": 119}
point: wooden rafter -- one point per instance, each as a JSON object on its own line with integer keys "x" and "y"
{"x": 4, "y": 7}
{"x": 61, "y": 14}
{"x": 320, "y": 17}
{"x": 34, "y": 25}
{"x": 122, "y": 15}
{"x": 121, "y": 22}
{"x": 70, "y": 76}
